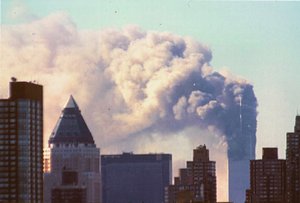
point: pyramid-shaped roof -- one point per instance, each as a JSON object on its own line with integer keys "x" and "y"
{"x": 71, "y": 127}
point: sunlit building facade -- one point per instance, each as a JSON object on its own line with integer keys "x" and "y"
{"x": 196, "y": 182}
{"x": 267, "y": 179}
{"x": 72, "y": 146}
{"x": 21, "y": 144}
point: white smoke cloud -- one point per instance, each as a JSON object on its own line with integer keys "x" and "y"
{"x": 128, "y": 83}
{"x": 122, "y": 78}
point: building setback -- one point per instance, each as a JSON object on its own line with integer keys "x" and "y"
{"x": 72, "y": 146}
{"x": 293, "y": 163}
{"x": 197, "y": 182}
{"x": 21, "y": 144}
{"x": 267, "y": 179}
{"x": 135, "y": 178}
{"x": 69, "y": 191}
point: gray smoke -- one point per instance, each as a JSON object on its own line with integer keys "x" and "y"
{"x": 213, "y": 101}
{"x": 129, "y": 82}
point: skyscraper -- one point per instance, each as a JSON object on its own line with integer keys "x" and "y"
{"x": 293, "y": 163}
{"x": 196, "y": 182}
{"x": 135, "y": 178}
{"x": 21, "y": 144}
{"x": 72, "y": 146}
{"x": 268, "y": 175}
{"x": 241, "y": 128}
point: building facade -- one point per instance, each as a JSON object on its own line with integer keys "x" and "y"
{"x": 196, "y": 182}
{"x": 72, "y": 146}
{"x": 21, "y": 144}
{"x": 135, "y": 178}
{"x": 293, "y": 163}
{"x": 69, "y": 191}
{"x": 47, "y": 163}
{"x": 267, "y": 179}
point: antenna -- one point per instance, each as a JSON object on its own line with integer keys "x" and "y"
{"x": 241, "y": 113}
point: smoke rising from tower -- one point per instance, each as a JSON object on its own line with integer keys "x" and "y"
{"x": 130, "y": 82}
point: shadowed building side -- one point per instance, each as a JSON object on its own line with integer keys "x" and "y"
{"x": 293, "y": 163}
{"x": 69, "y": 191}
{"x": 135, "y": 178}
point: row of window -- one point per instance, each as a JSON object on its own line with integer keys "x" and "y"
{"x": 12, "y": 125}
{"x": 4, "y": 132}
{"x": 6, "y": 103}
{"x": 6, "y": 109}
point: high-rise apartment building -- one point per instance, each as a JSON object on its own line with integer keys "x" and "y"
{"x": 267, "y": 179}
{"x": 72, "y": 146}
{"x": 135, "y": 178}
{"x": 21, "y": 144}
{"x": 196, "y": 182}
{"x": 293, "y": 164}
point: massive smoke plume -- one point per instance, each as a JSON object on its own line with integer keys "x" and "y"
{"x": 129, "y": 82}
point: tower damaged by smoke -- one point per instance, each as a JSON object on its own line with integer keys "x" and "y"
{"x": 228, "y": 107}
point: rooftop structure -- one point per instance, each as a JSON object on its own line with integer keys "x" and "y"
{"x": 71, "y": 127}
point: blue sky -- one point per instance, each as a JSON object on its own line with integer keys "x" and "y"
{"x": 259, "y": 41}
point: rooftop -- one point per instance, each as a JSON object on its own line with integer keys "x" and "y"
{"x": 71, "y": 127}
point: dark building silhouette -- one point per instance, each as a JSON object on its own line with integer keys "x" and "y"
{"x": 69, "y": 191}
{"x": 267, "y": 179}
{"x": 21, "y": 144}
{"x": 293, "y": 164}
{"x": 72, "y": 146}
{"x": 197, "y": 182}
{"x": 135, "y": 178}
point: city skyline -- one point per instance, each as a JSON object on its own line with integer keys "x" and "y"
{"x": 261, "y": 48}
{"x": 71, "y": 135}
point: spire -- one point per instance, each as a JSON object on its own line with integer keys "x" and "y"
{"x": 71, "y": 103}
{"x": 71, "y": 127}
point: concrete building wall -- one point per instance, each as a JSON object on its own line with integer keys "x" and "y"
{"x": 84, "y": 160}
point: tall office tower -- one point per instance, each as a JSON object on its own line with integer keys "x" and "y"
{"x": 293, "y": 163}
{"x": 241, "y": 140}
{"x": 135, "y": 178}
{"x": 69, "y": 191}
{"x": 72, "y": 146}
{"x": 21, "y": 144}
{"x": 197, "y": 182}
{"x": 268, "y": 179}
